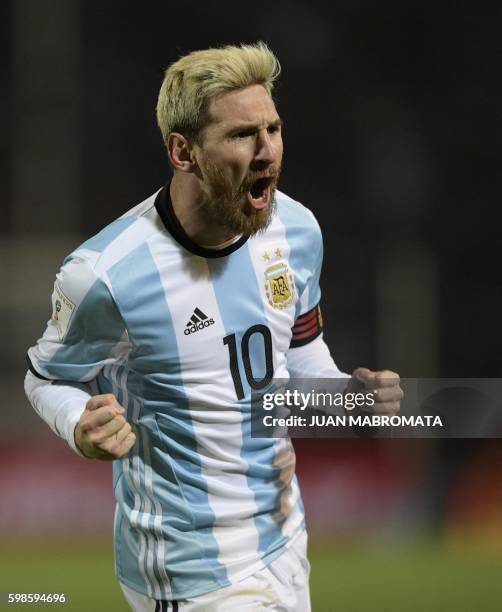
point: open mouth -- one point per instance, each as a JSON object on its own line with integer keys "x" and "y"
{"x": 259, "y": 195}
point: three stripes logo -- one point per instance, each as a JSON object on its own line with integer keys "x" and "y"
{"x": 197, "y": 321}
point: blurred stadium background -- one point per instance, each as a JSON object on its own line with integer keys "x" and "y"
{"x": 393, "y": 139}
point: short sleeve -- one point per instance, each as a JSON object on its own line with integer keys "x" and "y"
{"x": 85, "y": 331}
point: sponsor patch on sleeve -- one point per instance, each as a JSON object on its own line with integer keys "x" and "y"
{"x": 62, "y": 311}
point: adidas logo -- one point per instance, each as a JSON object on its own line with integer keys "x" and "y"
{"x": 197, "y": 321}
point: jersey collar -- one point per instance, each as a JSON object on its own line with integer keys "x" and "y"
{"x": 165, "y": 209}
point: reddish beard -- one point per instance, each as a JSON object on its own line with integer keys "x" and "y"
{"x": 228, "y": 205}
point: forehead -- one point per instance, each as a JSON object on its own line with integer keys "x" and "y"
{"x": 249, "y": 105}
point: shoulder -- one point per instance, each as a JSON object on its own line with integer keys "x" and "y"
{"x": 297, "y": 219}
{"x": 119, "y": 238}
{"x": 86, "y": 266}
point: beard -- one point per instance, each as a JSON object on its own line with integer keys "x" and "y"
{"x": 227, "y": 205}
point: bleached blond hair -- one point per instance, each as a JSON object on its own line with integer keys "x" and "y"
{"x": 191, "y": 82}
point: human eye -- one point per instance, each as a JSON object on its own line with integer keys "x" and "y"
{"x": 274, "y": 128}
{"x": 243, "y": 134}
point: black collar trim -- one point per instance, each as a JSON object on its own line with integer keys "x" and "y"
{"x": 165, "y": 210}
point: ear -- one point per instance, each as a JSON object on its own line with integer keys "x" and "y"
{"x": 180, "y": 152}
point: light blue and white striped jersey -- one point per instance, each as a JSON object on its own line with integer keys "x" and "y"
{"x": 181, "y": 334}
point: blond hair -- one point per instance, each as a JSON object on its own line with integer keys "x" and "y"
{"x": 191, "y": 82}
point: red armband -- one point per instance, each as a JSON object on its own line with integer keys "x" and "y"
{"x": 307, "y": 327}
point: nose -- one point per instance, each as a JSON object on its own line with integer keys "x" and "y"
{"x": 265, "y": 152}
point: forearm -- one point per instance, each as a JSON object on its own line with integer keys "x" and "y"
{"x": 314, "y": 360}
{"x": 60, "y": 405}
{"x": 310, "y": 366}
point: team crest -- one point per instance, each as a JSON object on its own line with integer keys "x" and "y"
{"x": 279, "y": 285}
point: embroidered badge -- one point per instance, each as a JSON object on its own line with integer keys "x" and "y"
{"x": 279, "y": 285}
{"x": 62, "y": 311}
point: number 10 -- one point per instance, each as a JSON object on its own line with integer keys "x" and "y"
{"x": 254, "y": 383}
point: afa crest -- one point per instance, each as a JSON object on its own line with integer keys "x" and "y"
{"x": 279, "y": 285}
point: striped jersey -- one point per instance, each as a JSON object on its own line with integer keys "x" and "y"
{"x": 181, "y": 335}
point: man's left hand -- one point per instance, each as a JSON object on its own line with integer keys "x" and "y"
{"x": 385, "y": 387}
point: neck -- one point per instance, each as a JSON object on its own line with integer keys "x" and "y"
{"x": 189, "y": 207}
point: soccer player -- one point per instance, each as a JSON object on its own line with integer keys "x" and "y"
{"x": 162, "y": 325}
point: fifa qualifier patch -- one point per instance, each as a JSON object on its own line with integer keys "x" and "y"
{"x": 62, "y": 311}
{"x": 279, "y": 285}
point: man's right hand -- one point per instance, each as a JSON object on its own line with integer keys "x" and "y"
{"x": 102, "y": 431}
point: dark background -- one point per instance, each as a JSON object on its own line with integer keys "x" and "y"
{"x": 393, "y": 138}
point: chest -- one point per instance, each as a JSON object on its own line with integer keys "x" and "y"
{"x": 211, "y": 318}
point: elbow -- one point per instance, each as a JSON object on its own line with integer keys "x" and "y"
{"x": 28, "y": 385}
{"x": 31, "y": 384}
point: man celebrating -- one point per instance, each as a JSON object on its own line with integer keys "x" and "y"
{"x": 165, "y": 321}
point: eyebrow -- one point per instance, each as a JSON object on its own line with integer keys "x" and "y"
{"x": 244, "y": 127}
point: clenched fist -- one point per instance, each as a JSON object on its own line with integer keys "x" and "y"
{"x": 102, "y": 431}
{"x": 385, "y": 387}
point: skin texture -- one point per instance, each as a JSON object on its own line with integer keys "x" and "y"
{"x": 210, "y": 194}
{"x": 102, "y": 431}
{"x": 385, "y": 386}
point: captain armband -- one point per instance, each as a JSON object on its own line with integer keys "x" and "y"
{"x": 307, "y": 327}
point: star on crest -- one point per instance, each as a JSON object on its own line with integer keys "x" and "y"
{"x": 266, "y": 256}
{"x": 278, "y": 253}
